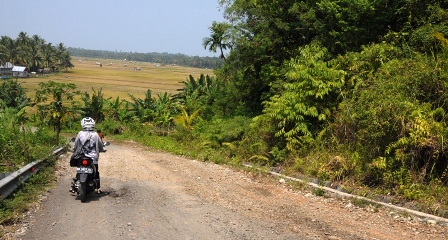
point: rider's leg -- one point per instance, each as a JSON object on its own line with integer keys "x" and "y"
{"x": 97, "y": 177}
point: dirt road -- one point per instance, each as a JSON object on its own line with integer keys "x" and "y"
{"x": 156, "y": 195}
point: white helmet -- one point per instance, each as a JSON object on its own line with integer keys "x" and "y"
{"x": 88, "y": 123}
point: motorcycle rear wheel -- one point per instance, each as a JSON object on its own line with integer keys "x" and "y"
{"x": 83, "y": 192}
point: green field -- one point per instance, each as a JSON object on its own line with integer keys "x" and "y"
{"x": 118, "y": 78}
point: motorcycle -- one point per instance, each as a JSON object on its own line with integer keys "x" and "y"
{"x": 86, "y": 180}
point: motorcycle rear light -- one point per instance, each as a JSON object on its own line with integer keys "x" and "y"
{"x": 84, "y": 162}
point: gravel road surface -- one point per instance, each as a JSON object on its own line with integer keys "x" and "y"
{"x": 156, "y": 195}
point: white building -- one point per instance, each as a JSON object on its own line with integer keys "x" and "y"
{"x": 6, "y": 69}
{"x": 19, "y": 71}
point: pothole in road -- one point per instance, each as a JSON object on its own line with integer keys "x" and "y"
{"x": 119, "y": 193}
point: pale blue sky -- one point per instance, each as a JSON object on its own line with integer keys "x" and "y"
{"x": 172, "y": 26}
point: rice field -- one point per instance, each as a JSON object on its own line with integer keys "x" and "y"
{"x": 118, "y": 78}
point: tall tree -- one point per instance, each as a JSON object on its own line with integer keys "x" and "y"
{"x": 49, "y": 54}
{"x": 23, "y": 49}
{"x": 63, "y": 57}
{"x": 220, "y": 38}
{"x": 3, "y": 55}
{"x": 35, "y": 52}
{"x": 23, "y": 39}
{"x": 268, "y": 33}
{"x": 10, "y": 49}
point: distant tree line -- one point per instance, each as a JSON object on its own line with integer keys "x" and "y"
{"x": 162, "y": 58}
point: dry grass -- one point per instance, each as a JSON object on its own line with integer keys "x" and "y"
{"x": 117, "y": 80}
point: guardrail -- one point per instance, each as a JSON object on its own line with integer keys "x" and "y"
{"x": 13, "y": 180}
{"x": 347, "y": 195}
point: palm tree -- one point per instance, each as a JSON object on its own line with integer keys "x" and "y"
{"x": 3, "y": 55}
{"x": 23, "y": 44}
{"x": 63, "y": 57}
{"x": 35, "y": 52}
{"x": 219, "y": 38}
{"x": 49, "y": 54}
{"x": 10, "y": 49}
{"x": 60, "y": 50}
{"x": 23, "y": 39}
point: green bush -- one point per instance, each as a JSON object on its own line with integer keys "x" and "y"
{"x": 110, "y": 126}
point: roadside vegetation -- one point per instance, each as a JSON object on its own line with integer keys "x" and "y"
{"x": 350, "y": 93}
{"x": 21, "y": 142}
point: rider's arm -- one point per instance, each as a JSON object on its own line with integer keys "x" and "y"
{"x": 75, "y": 146}
{"x": 99, "y": 143}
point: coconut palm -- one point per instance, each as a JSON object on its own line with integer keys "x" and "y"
{"x": 9, "y": 49}
{"x": 63, "y": 57}
{"x": 219, "y": 38}
{"x": 23, "y": 39}
{"x": 3, "y": 54}
{"x": 35, "y": 52}
{"x": 49, "y": 54}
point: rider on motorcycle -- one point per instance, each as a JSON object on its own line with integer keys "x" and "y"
{"x": 89, "y": 144}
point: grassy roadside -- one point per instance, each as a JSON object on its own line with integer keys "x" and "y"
{"x": 26, "y": 195}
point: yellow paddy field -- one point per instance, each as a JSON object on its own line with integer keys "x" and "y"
{"x": 118, "y": 78}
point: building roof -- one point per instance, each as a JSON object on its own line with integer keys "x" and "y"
{"x": 18, "y": 69}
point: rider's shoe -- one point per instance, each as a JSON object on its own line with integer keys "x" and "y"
{"x": 73, "y": 188}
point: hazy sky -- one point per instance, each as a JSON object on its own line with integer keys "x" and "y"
{"x": 172, "y": 26}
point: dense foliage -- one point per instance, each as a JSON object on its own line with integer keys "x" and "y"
{"x": 21, "y": 142}
{"x": 347, "y": 91}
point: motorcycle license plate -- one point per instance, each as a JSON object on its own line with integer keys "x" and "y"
{"x": 84, "y": 170}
